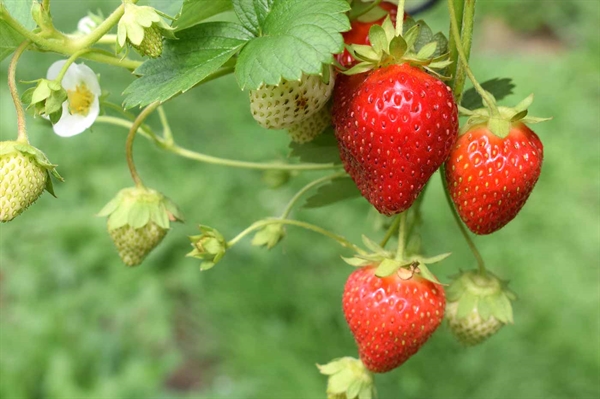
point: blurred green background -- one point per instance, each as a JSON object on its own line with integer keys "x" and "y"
{"x": 76, "y": 323}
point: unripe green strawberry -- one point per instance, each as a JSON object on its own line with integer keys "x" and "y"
{"x": 348, "y": 379}
{"x": 478, "y": 306}
{"x": 290, "y": 102}
{"x": 471, "y": 329}
{"x": 152, "y": 44}
{"x": 24, "y": 174}
{"x": 134, "y": 244}
{"x": 143, "y": 28}
{"x": 311, "y": 127}
{"x": 138, "y": 220}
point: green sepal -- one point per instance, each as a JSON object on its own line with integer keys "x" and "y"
{"x": 372, "y": 245}
{"x": 269, "y": 236}
{"x": 417, "y": 46}
{"x": 348, "y": 378}
{"x": 501, "y": 123}
{"x": 486, "y": 294}
{"x": 426, "y": 274}
{"x": 387, "y": 267}
{"x": 137, "y": 207}
{"x": 209, "y": 246}
{"x": 9, "y": 147}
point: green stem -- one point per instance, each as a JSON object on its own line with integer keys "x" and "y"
{"x": 401, "y": 236}
{"x": 390, "y": 231}
{"x": 416, "y": 210}
{"x": 131, "y": 137}
{"x": 175, "y": 149}
{"x": 68, "y": 63}
{"x": 458, "y": 6}
{"x": 111, "y": 120}
{"x": 262, "y": 223}
{"x": 463, "y": 230}
{"x": 100, "y": 56}
{"x": 107, "y": 39}
{"x": 167, "y": 133}
{"x": 400, "y": 17}
{"x": 465, "y": 63}
{"x": 14, "y": 92}
{"x": 46, "y": 5}
{"x": 102, "y": 29}
{"x": 308, "y": 187}
{"x": 467, "y": 40}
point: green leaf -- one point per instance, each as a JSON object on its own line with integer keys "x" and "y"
{"x": 293, "y": 38}
{"x": 200, "y": 51}
{"x": 195, "y": 11}
{"x": 169, "y": 7}
{"x": 21, "y": 11}
{"x": 9, "y": 40}
{"x": 499, "y": 88}
{"x": 336, "y": 191}
{"x": 323, "y": 149}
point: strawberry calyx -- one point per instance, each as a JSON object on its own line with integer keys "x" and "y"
{"x": 12, "y": 147}
{"x": 348, "y": 379}
{"x": 388, "y": 263}
{"x": 137, "y": 207}
{"x": 417, "y": 46}
{"x": 209, "y": 246}
{"x": 500, "y": 120}
{"x": 485, "y": 294}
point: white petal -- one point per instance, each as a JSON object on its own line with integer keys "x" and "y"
{"x": 86, "y": 25}
{"x": 73, "y": 124}
{"x": 54, "y": 69}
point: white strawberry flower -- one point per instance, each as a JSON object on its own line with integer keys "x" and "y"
{"x": 86, "y": 25}
{"x": 82, "y": 106}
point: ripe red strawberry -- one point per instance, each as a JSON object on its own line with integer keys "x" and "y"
{"x": 395, "y": 127}
{"x": 391, "y": 317}
{"x": 490, "y": 178}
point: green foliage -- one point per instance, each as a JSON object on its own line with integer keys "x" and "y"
{"x": 499, "y": 88}
{"x": 195, "y": 11}
{"x": 9, "y": 40}
{"x": 323, "y": 149}
{"x": 286, "y": 43}
{"x": 337, "y": 190}
{"x": 198, "y": 52}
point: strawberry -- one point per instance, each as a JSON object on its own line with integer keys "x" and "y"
{"x": 391, "y": 317}
{"x": 138, "y": 220}
{"x": 479, "y": 305}
{"x": 152, "y": 44}
{"x": 24, "y": 175}
{"x": 311, "y": 127}
{"x": 490, "y": 178}
{"x": 395, "y": 126}
{"x": 290, "y": 102}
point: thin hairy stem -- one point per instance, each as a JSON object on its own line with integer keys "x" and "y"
{"x": 260, "y": 224}
{"x": 467, "y": 40}
{"x": 307, "y": 188}
{"x": 14, "y": 92}
{"x": 400, "y": 17}
{"x": 390, "y": 231}
{"x": 68, "y": 63}
{"x": 458, "y": 6}
{"x": 167, "y": 133}
{"x": 463, "y": 230}
{"x": 465, "y": 63}
{"x": 131, "y": 137}
{"x": 400, "y": 252}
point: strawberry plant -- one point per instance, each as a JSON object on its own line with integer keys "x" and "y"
{"x": 373, "y": 99}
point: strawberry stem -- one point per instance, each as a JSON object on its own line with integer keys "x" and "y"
{"x": 487, "y": 98}
{"x": 459, "y": 6}
{"x": 14, "y": 92}
{"x": 400, "y": 17}
{"x": 401, "y": 236}
{"x": 131, "y": 137}
{"x": 458, "y": 73}
{"x": 390, "y": 232}
{"x": 262, "y": 223}
{"x": 197, "y": 156}
{"x": 308, "y": 187}
{"x": 463, "y": 230}
{"x": 68, "y": 63}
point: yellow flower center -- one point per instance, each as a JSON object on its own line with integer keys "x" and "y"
{"x": 80, "y": 100}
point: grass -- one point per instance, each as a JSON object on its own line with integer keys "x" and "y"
{"x": 76, "y": 323}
